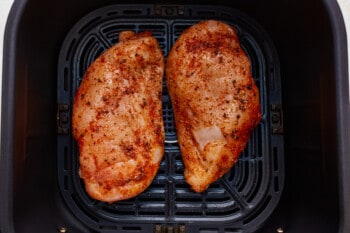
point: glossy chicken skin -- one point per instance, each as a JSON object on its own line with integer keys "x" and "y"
{"x": 215, "y": 100}
{"x": 117, "y": 118}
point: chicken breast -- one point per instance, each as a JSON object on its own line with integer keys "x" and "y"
{"x": 117, "y": 118}
{"x": 215, "y": 100}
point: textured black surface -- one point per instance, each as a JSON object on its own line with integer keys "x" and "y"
{"x": 244, "y": 198}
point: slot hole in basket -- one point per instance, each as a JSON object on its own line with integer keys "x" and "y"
{"x": 258, "y": 212}
{"x": 131, "y": 228}
{"x": 119, "y": 209}
{"x": 232, "y": 173}
{"x": 65, "y": 183}
{"x": 259, "y": 142}
{"x": 232, "y": 230}
{"x": 275, "y": 159}
{"x": 109, "y": 228}
{"x": 65, "y": 158}
{"x": 244, "y": 177}
{"x": 190, "y": 212}
{"x": 258, "y": 177}
{"x": 208, "y": 230}
{"x": 112, "y": 13}
{"x": 83, "y": 28}
{"x": 86, "y": 53}
{"x": 221, "y": 212}
{"x": 69, "y": 51}
{"x": 276, "y": 187}
{"x": 65, "y": 79}
{"x": 132, "y": 12}
{"x": 153, "y": 27}
{"x": 80, "y": 206}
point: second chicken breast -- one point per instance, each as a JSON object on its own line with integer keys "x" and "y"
{"x": 215, "y": 100}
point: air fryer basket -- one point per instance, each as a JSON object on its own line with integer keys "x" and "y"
{"x": 293, "y": 176}
{"x": 240, "y": 201}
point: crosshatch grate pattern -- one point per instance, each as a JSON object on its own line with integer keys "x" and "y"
{"x": 244, "y": 196}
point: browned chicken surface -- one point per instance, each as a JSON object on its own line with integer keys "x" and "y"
{"x": 215, "y": 100}
{"x": 117, "y": 118}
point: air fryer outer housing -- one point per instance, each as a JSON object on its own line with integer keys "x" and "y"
{"x": 310, "y": 41}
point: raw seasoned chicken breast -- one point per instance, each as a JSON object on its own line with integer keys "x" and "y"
{"x": 117, "y": 118}
{"x": 215, "y": 100}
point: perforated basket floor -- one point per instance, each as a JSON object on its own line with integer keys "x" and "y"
{"x": 241, "y": 200}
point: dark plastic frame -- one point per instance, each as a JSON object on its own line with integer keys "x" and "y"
{"x": 15, "y": 123}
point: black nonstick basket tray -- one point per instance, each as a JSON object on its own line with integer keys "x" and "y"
{"x": 241, "y": 200}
